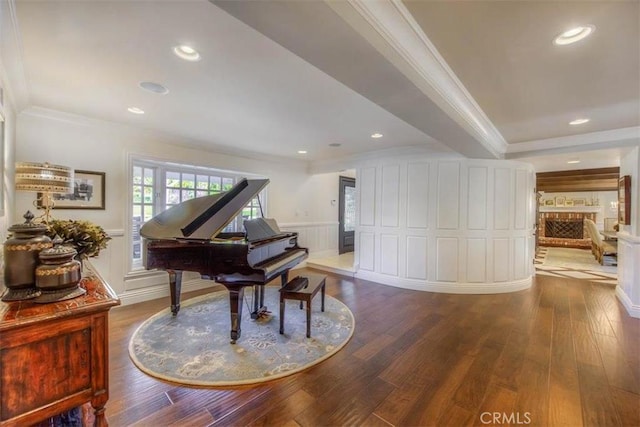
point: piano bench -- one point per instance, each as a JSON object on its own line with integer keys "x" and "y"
{"x": 302, "y": 288}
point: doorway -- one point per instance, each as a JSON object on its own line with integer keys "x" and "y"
{"x": 347, "y": 214}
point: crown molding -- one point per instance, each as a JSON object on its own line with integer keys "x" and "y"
{"x": 614, "y": 138}
{"x": 12, "y": 67}
{"x": 405, "y": 44}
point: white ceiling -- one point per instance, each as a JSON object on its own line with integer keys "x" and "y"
{"x": 478, "y": 78}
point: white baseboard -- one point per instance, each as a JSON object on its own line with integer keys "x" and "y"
{"x": 632, "y": 309}
{"x": 445, "y": 287}
{"x": 162, "y": 291}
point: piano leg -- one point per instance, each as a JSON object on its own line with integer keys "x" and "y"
{"x": 236, "y": 295}
{"x": 175, "y": 286}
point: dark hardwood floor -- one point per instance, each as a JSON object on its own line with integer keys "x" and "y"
{"x": 564, "y": 352}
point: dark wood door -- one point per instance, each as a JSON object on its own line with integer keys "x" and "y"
{"x": 347, "y": 216}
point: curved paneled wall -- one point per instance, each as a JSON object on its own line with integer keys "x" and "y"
{"x": 459, "y": 226}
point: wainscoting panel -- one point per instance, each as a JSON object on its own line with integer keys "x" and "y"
{"x": 389, "y": 254}
{"x": 390, "y": 201}
{"x": 519, "y": 257}
{"x": 477, "y": 200}
{"x": 448, "y": 195}
{"x": 321, "y": 238}
{"x": 500, "y": 260}
{"x": 501, "y": 199}
{"x": 476, "y": 260}
{"x": 367, "y": 251}
{"x": 417, "y": 191}
{"x": 367, "y": 188}
{"x": 522, "y": 192}
{"x": 447, "y": 259}
{"x": 416, "y": 257}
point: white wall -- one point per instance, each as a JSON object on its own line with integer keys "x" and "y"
{"x": 628, "y": 289}
{"x": 297, "y": 200}
{"x": 446, "y": 225}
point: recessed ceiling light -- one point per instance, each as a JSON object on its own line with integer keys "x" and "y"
{"x": 376, "y": 135}
{"x": 187, "y": 53}
{"x": 578, "y": 122}
{"x": 571, "y": 162}
{"x": 135, "y": 110}
{"x": 302, "y": 152}
{"x": 154, "y": 87}
{"x": 335, "y": 144}
{"x": 573, "y": 35}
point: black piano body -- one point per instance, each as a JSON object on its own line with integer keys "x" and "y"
{"x": 187, "y": 237}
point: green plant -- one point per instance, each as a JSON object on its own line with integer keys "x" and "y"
{"x": 84, "y": 236}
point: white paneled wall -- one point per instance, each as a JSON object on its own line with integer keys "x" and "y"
{"x": 321, "y": 238}
{"x": 462, "y": 226}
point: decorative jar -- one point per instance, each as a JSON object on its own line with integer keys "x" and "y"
{"x": 21, "y": 252}
{"x": 58, "y": 275}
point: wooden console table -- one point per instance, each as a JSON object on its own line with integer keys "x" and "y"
{"x": 55, "y": 356}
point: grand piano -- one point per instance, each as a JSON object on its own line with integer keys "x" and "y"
{"x": 189, "y": 237}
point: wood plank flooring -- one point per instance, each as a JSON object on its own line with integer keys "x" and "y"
{"x": 562, "y": 353}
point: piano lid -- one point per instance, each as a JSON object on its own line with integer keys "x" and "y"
{"x": 203, "y": 217}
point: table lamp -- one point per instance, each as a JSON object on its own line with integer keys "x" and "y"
{"x": 45, "y": 179}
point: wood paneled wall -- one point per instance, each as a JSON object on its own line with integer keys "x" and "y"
{"x": 602, "y": 179}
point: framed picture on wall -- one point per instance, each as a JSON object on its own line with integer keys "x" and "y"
{"x": 88, "y": 192}
{"x": 549, "y": 202}
{"x": 579, "y": 202}
{"x": 568, "y": 202}
{"x": 560, "y": 201}
{"x": 624, "y": 200}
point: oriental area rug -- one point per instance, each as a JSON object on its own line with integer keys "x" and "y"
{"x": 193, "y": 348}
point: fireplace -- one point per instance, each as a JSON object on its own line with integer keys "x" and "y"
{"x": 564, "y": 228}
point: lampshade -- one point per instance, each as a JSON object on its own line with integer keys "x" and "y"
{"x": 44, "y": 178}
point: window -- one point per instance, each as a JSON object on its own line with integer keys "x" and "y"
{"x": 157, "y": 186}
